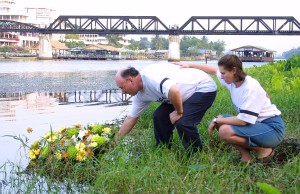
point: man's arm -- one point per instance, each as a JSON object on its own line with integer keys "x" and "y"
{"x": 176, "y": 99}
{"x": 127, "y": 125}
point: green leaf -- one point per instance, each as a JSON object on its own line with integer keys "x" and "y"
{"x": 267, "y": 188}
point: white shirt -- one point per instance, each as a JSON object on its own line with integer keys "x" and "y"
{"x": 158, "y": 79}
{"x": 250, "y": 100}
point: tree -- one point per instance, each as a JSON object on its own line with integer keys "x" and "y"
{"x": 5, "y": 49}
{"x": 218, "y": 46}
{"x": 134, "y": 45}
{"x": 74, "y": 44}
{"x": 144, "y": 43}
{"x": 113, "y": 40}
{"x": 190, "y": 45}
{"x": 159, "y": 43}
{"x": 72, "y": 36}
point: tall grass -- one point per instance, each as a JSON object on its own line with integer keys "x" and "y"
{"x": 134, "y": 165}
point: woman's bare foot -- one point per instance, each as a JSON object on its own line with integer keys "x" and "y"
{"x": 246, "y": 158}
{"x": 264, "y": 152}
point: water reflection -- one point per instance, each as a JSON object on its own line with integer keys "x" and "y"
{"x": 100, "y": 96}
{"x": 43, "y": 102}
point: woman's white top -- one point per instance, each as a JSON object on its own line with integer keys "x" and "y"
{"x": 250, "y": 100}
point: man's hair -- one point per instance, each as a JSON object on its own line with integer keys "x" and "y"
{"x": 130, "y": 71}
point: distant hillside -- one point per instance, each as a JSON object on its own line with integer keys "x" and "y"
{"x": 290, "y": 53}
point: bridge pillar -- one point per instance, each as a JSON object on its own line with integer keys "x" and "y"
{"x": 174, "y": 49}
{"x": 45, "y": 46}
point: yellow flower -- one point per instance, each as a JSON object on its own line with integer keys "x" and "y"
{"x": 29, "y": 129}
{"x": 106, "y": 130}
{"x": 47, "y": 135}
{"x": 50, "y": 137}
{"x": 80, "y": 146}
{"x": 37, "y": 151}
{"x": 58, "y": 156}
{"x": 35, "y": 145}
{"x": 81, "y": 155}
{"x": 93, "y": 144}
{"x": 32, "y": 155}
{"x": 62, "y": 129}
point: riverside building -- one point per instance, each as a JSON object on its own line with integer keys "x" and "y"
{"x": 40, "y": 17}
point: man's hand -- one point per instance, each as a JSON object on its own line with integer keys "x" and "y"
{"x": 174, "y": 116}
{"x": 117, "y": 137}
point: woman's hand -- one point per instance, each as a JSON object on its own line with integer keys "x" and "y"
{"x": 210, "y": 128}
{"x": 213, "y": 124}
{"x": 174, "y": 116}
{"x": 182, "y": 65}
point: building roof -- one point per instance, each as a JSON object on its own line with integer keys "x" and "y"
{"x": 101, "y": 47}
{"x": 56, "y": 45}
{"x": 252, "y": 48}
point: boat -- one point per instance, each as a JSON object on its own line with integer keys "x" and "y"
{"x": 19, "y": 57}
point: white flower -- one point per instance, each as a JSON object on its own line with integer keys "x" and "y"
{"x": 74, "y": 138}
{"x": 81, "y": 134}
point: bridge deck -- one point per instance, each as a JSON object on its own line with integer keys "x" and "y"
{"x": 196, "y": 25}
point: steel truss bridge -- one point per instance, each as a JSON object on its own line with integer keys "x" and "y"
{"x": 196, "y": 25}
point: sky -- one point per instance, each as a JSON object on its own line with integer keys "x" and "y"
{"x": 178, "y": 12}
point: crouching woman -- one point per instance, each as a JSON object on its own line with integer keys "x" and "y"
{"x": 258, "y": 124}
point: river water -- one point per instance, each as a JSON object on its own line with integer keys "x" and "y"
{"x": 58, "y": 93}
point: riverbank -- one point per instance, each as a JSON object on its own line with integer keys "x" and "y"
{"x": 133, "y": 165}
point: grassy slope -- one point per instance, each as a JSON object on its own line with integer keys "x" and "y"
{"x": 135, "y": 166}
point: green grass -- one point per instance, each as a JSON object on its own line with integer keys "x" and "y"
{"x": 134, "y": 165}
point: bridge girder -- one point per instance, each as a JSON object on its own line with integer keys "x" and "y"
{"x": 14, "y": 26}
{"x": 240, "y": 25}
{"x": 108, "y": 25}
{"x": 196, "y": 25}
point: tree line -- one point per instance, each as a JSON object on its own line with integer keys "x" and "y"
{"x": 189, "y": 45}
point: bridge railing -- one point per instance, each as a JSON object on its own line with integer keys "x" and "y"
{"x": 196, "y": 25}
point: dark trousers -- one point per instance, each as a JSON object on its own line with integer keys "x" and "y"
{"x": 194, "y": 109}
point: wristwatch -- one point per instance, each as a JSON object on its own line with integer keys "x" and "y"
{"x": 215, "y": 120}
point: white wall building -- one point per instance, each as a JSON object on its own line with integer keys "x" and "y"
{"x": 40, "y": 17}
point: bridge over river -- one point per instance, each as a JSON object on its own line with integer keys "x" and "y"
{"x": 196, "y": 25}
